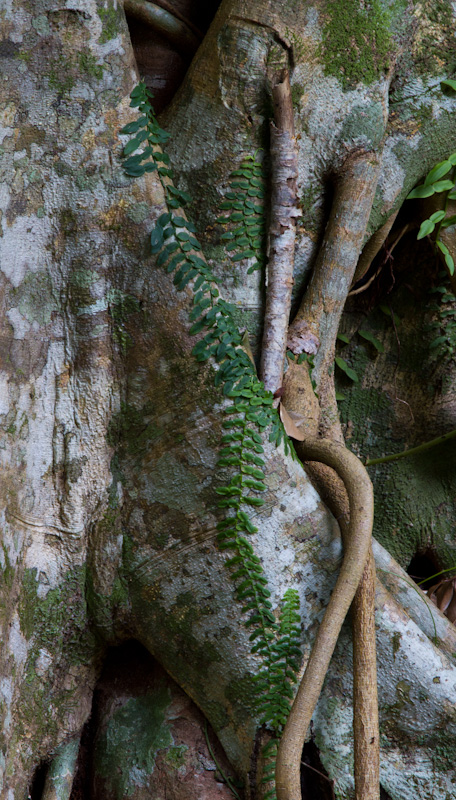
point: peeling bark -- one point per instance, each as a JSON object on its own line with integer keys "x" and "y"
{"x": 282, "y": 234}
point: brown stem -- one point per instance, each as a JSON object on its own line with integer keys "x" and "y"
{"x": 324, "y": 300}
{"x": 365, "y": 699}
{"x": 320, "y": 312}
{"x": 360, "y": 496}
{"x": 373, "y": 247}
{"x": 282, "y": 234}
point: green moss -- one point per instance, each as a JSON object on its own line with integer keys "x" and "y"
{"x": 84, "y": 278}
{"x": 111, "y": 19}
{"x": 58, "y": 621}
{"x": 396, "y": 643}
{"x": 311, "y": 216}
{"x": 61, "y": 74}
{"x": 121, "y": 306}
{"x": 125, "y": 753}
{"x": 88, "y": 64}
{"x": 356, "y": 43}
{"x": 175, "y": 756}
{"x": 434, "y": 49}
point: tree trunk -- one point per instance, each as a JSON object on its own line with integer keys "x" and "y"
{"x": 110, "y": 429}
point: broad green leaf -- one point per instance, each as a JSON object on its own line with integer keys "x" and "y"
{"x": 343, "y": 337}
{"x": 437, "y": 172}
{"x": 372, "y": 339}
{"x": 345, "y": 368}
{"x": 436, "y": 342}
{"x": 437, "y": 216}
{"x": 135, "y": 170}
{"x": 425, "y": 229}
{"x": 449, "y": 221}
{"x": 444, "y": 249}
{"x": 134, "y": 126}
{"x": 340, "y": 396}
{"x": 134, "y": 143}
{"x": 443, "y": 186}
{"x": 450, "y": 263}
{"x": 420, "y": 192}
{"x": 448, "y": 86}
{"x": 156, "y": 239}
{"x": 386, "y": 310}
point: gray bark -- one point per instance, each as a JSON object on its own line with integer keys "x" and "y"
{"x": 110, "y": 429}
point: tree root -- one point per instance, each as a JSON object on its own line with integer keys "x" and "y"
{"x": 360, "y": 496}
{"x": 59, "y": 780}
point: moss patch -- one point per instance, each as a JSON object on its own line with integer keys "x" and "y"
{"x": 356, "y": 43}
{"x": 125, "y": 753}
{"x": 111, "y": 18}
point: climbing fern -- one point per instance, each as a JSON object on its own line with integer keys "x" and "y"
{"x": 245, "y": 239}
{"x": 250, "y": 410}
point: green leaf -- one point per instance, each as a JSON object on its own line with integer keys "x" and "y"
{"x": 134, "y": 143}
{"x": 444, "y": 249}
{"x": 437, "y": 172}
{"x": 372, "y": 339}
{"x": 448, "y": 86}
{"x": 436, "y": 342}
{"x": 197, "y": 327}
{"x": 449, "y": 221}
{"x": 135, "y": 170}
{"x": 426, "y": 228}
{"x": 443, "y": 186}
{"x": 345, "y": 368}
{"x": 437, "y": 216}
{"x": 132, "y": 127}
{"x": 386, "y": 310}
{"x": 343, "y": 337}
{"x": 450, "y": 263}
{"x": 253, "y": 501}
{"x": 421, "y": 192}
{"x": 156, "y": 239}
{"x": 241, "y": 256}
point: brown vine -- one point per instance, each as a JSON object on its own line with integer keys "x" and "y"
{"x": 317, "y": 322}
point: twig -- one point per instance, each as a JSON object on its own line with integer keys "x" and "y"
{"x": 321, "y": 774}
{"x": 224, "y": 777}
{"x": 412, "y": 451}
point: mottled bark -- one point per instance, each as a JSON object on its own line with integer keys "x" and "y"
{"x": 110, "y": 430}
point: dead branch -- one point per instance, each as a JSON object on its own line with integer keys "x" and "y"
{"x": 282, "y": 234}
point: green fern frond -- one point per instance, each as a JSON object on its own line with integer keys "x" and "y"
{"x": 249, "y": 414}
{"x": 246, "y": 235}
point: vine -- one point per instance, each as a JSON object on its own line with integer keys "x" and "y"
{"x": 247, "y": 416}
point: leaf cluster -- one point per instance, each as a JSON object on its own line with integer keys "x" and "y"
{"x": 436, "y": 183}
{"x": 443, "y": 345}
{"x": 250, "y": 412}
{"x": 246, "y": 235}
